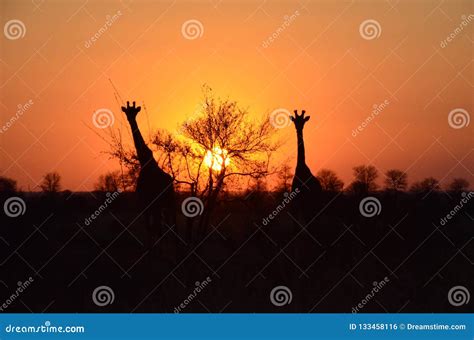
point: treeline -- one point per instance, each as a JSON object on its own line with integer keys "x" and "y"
{"x": 365, "y": 179}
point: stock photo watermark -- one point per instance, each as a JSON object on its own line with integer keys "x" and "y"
{"x": 198, "y": 289}
{"x": 377, "y": 287}
{"x": 370, "y": 207}
{"x": 103, "y": 296}
{"x": 287, "y": 21}
{"x": 281, "y": 296}
{"x": 103, "y": 118}
{"x": 458, "y": 296}
{"x": 280, "y": 207}
{"x": 192, "y": 29}
{"x": 376, "y": 110}
{"x": 14, "y": 29}
{"x": 460, "y": 28}
{"x": 459, "y": 118}
{"x": 280, "y": 118}
{"x": 192, "y": 207}
{"x": 111, "y": 197}
{"x": 21, "y": 109}
{"x": 370, "y": 29}
{"x": 14, "y": 207}
{"x": 22, "y": 286}
{"x": 466, "y": 198}
{"x": 109, "y": 21}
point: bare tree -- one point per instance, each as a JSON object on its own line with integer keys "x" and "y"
{"x": 329, "y": 180}
{"x": 51, "y": 182}
{"x": 221, "y": 142}
{"x": 285, "y": 177}
{"x": 109, "y": 182}
{"x": 396, "y": 180}
{"x": 364, "y": 179}
{"x": 458, "y": 185}
{"x": 426, "y": 185}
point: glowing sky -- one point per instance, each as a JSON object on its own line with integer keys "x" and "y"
{"x": 318, "y": 61}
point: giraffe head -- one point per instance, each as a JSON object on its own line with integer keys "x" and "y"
{"x": 299, "y": 120}
{"x": 131, "y": 111}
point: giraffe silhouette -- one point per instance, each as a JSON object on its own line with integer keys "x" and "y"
{"x": 307, "y": 201}
{"x": 154, "y": 186}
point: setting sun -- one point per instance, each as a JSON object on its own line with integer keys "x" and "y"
{"x": 216, "y": 158}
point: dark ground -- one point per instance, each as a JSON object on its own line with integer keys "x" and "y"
{"x": 329, "y": 266}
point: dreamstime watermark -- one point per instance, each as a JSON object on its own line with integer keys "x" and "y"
{"x": 281, "y": 295}
{"x": 111, "y": 196}
{"x": 46, "y": 328}
{"x": 370, "y": 29}
{"x": 459, "y": 118}
{"x": 458, "y": 296}
{"x": 14, "y": 29}
{"x": 465, "y": 21}
{"x": 192, "y": 207}
{"x": 103, "y": 296}
{"x": 192, "y": 29}
{"x": 457, "y": 208}
{"x": 370, "y": 206}
{"x": 376, "y": 110}
{"x": 109, "y": 21}
{"x": 288, "y": 198}
{"x": 20, "y": 289}
{"x": 103, "y": 118}
{"x": 280, "y": 118}
{"x": 287, "y": 21}
{"x": 198, "y": 289}
{"x": 14, "y": 207}
{"x": 377, "y": 287}
{"x": 21, "y": 109}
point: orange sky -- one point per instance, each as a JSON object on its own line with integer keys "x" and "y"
{"x": 319, "y": 62}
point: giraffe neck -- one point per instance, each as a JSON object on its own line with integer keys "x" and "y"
{"x": 144, "y": 154}
{"x": 300, "y": 140}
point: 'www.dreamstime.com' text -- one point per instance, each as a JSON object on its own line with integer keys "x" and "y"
{"x": 108, "y": 201}
{"x": 457, "y": 208}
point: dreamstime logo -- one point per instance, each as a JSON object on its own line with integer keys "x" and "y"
{"x": 103, "y": 118}
{"x": 458, "y": 296}
{"x": 280, "y": 118}
{"x": 14, "y": 29}
{"x": 192, "y": 207}
{"x": 103, "y": 295}
{"x": 192, "y": 29}
{"x": 281, "y": 295}
{"x": 370, "y": 29}
{"x": 14, "y": 207}
{"x": 459, "y": 118}
{"x": 370, "y": 206}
